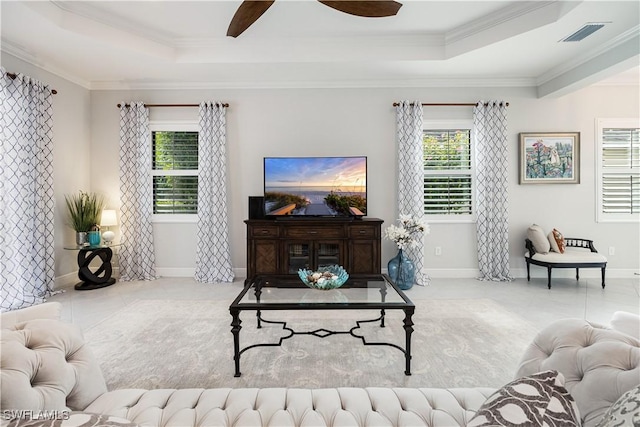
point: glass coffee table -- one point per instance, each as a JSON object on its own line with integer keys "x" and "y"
{"x": 285, "y": 293}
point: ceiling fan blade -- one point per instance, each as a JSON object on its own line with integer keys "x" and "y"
{"x": 369, "y": 9}
{"x": 246, "y": 15}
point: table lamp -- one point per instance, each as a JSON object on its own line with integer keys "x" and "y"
{"x": 109, "y": 219}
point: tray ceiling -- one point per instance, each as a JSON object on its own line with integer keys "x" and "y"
{"x": 183, "y": 44}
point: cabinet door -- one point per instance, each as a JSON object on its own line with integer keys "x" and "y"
{"x": 328, "y": 253}
{"x": 297, "y": 255}
{"x": 364, "y": 257}
{"x": 265, "y": 256}
{"x": 312, "y": 255}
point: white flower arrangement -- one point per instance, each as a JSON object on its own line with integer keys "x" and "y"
{"x": 406, "y": 234}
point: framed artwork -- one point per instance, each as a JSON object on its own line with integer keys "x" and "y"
{"x": 550, "y": 158}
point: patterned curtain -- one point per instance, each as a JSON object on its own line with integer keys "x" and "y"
{"x": 137, "y": 259}
{"x": 409, "y": 121}
{"x": 213, "y": 255}
{"x": 26, "y": 191}
{"x": 490, "y": 129}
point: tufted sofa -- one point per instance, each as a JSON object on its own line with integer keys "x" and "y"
{"x": 47, "y": 366}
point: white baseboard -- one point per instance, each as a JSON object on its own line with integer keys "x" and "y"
{"x": 439, "y": 273}
{"x": 66, "y": 280}
{"x": 190, "y": 272}
{"x": 452, "y": 273}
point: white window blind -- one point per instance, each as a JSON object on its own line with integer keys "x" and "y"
{"x": 448, "y": 172}
{"x": 619, "y": 170}
{"x": 175, "y": 172}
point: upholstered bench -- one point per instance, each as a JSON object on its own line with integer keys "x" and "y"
{"x": 584, "y": 255}
{"x": 553, "y": 250}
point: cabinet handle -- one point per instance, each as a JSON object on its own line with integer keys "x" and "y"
{"x": 313, "y": 232}
{"x": 265, "y": 231}
{"x": 362, "y": 231}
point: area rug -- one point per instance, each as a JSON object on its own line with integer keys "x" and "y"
{"x": 188, "y": 344}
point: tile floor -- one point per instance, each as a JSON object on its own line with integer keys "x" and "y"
{"x": 531, "y": 301}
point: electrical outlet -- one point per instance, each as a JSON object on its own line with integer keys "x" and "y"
{"x": 438, "y": 250}
{"x": 612, "y": 250}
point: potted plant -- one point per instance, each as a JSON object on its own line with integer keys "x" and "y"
{"x": 84, "y": 211}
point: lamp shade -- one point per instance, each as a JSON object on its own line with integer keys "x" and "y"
{"x": 108, "y": 218}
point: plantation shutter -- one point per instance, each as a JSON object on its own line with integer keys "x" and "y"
{"x": 447, "y": 172}
{"x": 620, "y": 170}
{"x": 175, "y": 172}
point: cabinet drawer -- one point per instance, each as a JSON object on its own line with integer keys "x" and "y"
{"x": 314, "y": 232}
{"x": 362, "y": 232}
{"x": 264, "y": 231}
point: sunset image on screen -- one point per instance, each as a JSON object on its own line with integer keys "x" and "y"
{"x": 315, "y": 185}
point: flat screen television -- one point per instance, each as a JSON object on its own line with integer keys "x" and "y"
{"x": 315, "y": 186}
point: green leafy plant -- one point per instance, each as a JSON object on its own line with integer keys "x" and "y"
{"x": 84, "y": 210}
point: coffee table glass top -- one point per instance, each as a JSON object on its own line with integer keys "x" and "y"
{"x": 374, "y": 291}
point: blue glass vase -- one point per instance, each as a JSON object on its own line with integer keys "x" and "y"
{"x": 402, "y": 271}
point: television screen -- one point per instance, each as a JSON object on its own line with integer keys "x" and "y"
{"x": 315, "y": 186}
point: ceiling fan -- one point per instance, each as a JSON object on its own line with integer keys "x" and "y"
{"x": 249, "y": 11}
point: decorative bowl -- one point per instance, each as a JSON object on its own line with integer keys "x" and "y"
{"x": 329, "y": 277}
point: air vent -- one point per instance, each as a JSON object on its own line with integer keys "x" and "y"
{"x": 586, "y": 30}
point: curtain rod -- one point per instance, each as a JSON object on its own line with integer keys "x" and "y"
{"x": 13, "y": 76}
{"x": 395, "y": 104}
{"x": 170, "y": 105}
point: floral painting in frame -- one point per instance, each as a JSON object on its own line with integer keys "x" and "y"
{"x": 550, "y": 158}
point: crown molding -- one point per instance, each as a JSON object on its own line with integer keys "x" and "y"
{"x": 579, "y": 61}
{"x": 488, "y": 22}
{"x": 88, "y": 11}
{"x": 512, "y": 20}
{"x": 19, "y": 52}
{"x": 319, "y": 84}
{"x": 123, "y": 35}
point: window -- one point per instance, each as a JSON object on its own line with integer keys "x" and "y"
{"x": 174, "y": 169}
{"x": 448, "y": 173}
{"x": 618, "y": 170}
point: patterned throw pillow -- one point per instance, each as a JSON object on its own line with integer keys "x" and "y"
{"x": 68, "y": 419}
{"x": 559, "y": 238}
{"x": 625, "y": 412}
{"x": 535, "y": 400}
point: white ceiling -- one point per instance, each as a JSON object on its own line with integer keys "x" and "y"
{"x": 302, "y": 43}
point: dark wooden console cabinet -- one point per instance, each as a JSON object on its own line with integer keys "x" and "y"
{"x": 284, "y": 246}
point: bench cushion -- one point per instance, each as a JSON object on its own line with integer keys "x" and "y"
{"x": 569, "y": 256}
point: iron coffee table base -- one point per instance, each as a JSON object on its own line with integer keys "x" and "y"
{"x": 320, "y": 333}
{"x": 287, "y": 293}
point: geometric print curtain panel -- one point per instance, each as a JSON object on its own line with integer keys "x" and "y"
{"x": 409, "y": 120}
{"x": 137, "y": 259}
{"x": 213, "y": 255}
{"x": 492, "y": 201}
{"x": 26, "y": 188}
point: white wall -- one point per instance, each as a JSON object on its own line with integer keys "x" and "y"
{"x": 71, "y": 145}
{"x": 309, "y": 122}
{"x": 306, "y": 122}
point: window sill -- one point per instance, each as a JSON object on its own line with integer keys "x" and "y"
{"x": 450, "y": 220}
{"x": 174, "y": 219}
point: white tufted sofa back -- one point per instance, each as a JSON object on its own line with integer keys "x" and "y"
{"x": 46, "y": 366}
{"x": 283, "y": 407}
{"x": 598, "y": 364}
